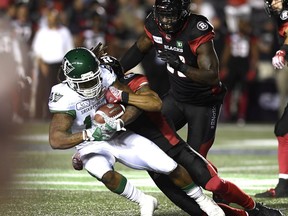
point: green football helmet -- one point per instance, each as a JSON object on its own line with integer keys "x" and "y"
{"x": 82, "y": 72}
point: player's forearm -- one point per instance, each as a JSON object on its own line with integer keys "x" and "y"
{"x": 61, "y": 140}
{"x": 131, "y": 113}
{"x": 145, "y": 102}
{"x": 203, "y": 76}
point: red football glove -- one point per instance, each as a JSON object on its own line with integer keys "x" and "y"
{"x": 113, "y": 95}
{"x": 278, "y": 61}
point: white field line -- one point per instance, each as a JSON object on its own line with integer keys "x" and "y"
{"x": 139, "y": 181}
{"x": 243, "y": 143}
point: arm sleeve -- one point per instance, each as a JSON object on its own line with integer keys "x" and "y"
{"x": 131, "y": 58}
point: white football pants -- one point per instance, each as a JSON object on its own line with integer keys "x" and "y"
{"x": 128, "y": 148}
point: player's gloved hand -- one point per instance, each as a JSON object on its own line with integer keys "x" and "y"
{"x": 98, "y": 132}
{"x": 114, "y": 95}
{"x": 172, "y": 59}
{"x": 278, "y": 61}
{"x": 115, "y": 124}
{"x": 111, "y": 124}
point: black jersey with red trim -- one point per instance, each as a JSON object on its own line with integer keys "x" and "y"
{"x": 153, "y": 125}
{"x": 196, "y": 31}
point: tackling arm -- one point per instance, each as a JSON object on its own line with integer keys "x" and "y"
{"x": 60, "y": 136}
{"x": 145, "y": 99}
{"x": 136, "y": 53}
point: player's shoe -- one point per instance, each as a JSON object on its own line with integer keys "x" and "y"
{"x": 77, "y": 162}
{"x": 281, "y": 190}
{"x": 148, "y": 205}
{"x": 261, "y": 210}
{"x": 209, "y": 206}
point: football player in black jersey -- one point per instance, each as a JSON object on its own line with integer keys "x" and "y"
{"x": 278, "y": 10}
{"x": 155, "y": 127}
{"x": 185, "y": 41}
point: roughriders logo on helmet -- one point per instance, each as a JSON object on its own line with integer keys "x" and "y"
{"x": 67, "y": 66}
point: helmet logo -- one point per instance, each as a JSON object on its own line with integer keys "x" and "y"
{"x": 284, "y": 15}
{"x": 67, "y": 66}
{"x": 202, "y": 26}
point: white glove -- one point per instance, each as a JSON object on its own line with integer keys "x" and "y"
{"x": 98, "y": 132}
{"x": 278, "y": 61}
{"x": 114, "y": 123}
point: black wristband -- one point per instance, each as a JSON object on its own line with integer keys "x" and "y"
{"x": 284, "y": 47}
{"x": 125, "y": 97}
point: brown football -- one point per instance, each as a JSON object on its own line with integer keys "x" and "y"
{"x": 111, "y": 110}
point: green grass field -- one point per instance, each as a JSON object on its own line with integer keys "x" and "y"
{"x": 44, "y": 182}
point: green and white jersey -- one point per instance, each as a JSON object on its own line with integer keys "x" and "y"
{"x": 65, "y": 100}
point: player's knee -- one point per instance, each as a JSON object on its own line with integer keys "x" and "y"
{"x": 281, "y": 128}
{"x": 216, "y": 185}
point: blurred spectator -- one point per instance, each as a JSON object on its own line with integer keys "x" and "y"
{"x": 11, "y": 73}
{"x": 22, "y": 22}
{"x": 94, "y": 33}
{"x": 267, "y": 47}
{"x": 23, "y": 26}
{"x": 50, "y": 44}
{"x": 207, "y": 9}
{"x": 76, "y": 20}
{"x": 234, "y": 9}
{"x": 238, "y": 69}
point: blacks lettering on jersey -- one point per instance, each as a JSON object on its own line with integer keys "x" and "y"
{"x": 197, "y": 30}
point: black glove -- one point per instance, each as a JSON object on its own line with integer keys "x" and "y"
{"x": 172, "y": 59}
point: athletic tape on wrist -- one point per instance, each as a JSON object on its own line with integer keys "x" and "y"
{"x": 84, "y": 135}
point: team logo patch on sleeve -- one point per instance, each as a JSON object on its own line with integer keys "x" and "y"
{"x": 54, "y": 97}
{"x": 284, "y": 15}
{"x": 202, "y": 26}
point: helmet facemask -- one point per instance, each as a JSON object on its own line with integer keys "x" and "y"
{"x": 88, "y": 86}
{"x": 82, "y": 72}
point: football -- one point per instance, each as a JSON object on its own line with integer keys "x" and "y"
{"x": 110, "y": 110}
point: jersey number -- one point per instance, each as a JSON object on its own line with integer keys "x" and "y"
{"x": 172, "y": 70}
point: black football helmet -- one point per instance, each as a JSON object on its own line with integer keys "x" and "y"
{"x": 170, "y": 15}
{"x": 114, "y": 64}
{"x": 269, "y": 7}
